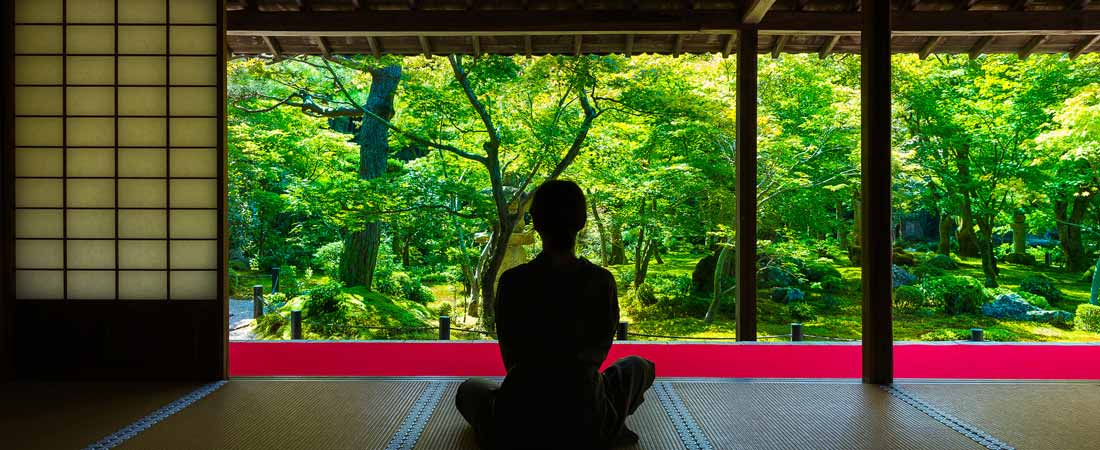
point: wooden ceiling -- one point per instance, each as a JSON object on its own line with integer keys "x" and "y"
{"x": 282, "y": 28}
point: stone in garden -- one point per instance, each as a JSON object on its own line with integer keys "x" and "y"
{"x": 1055, "y": 316}
{"x": 902, "y": 277}
{"x": 1013, "y": 307}
{"x": 904, "y": 258}
{"x": 787, "y": 295}
{"x": 775, "y": 277}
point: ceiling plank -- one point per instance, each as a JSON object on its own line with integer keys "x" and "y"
{"x": 1031, "y": 45}
{"x": 980, "y": 46}
{"x": 780, "y": 42}
{"x": 425, "y": 46}
{"x": 1084, "y": 46}
{"x": 826, "y": 49}
{"x": 755, "y": 11}
{"x": 930, "y": 46}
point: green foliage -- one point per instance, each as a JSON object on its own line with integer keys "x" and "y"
{"x": 290, "y": 282}
{"x": 908, "y": 298}
{"x": 954, "y": 294}
{"x": 801, "y": 312}
{"x": 403, "y": 285}
{"x": 833, "y": 284}
{"x": 1042, "y": 286}
{"x": 1087, "y": 318}
{"x": 923, "y": 271}
{"x": 820, "y": 270}
{"x": 323, "y": 299}
{"x": 942, "y": 262}
{"x": 444, "y": 309}
{"x": 1034, "y": 300}
{"x": 327, "y": 258}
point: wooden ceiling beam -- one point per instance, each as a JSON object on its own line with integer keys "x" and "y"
{"x": 755, "y": 11}
{"x": 476, "y": 43}
{"x": 1031, "y": 45}
{"x": 577, "y": 41}
{"x": 780, "y": 42}
{"x": 527, "y": 44}
{"x": 487, "y": 23}
{"x": 678, "y": 46}
{"x": 980, "y": 46}
{"x": 826, "y": 49}
{"x": 930, "y": 46}
{"x": 629, "y": 46}
{"x": 967, "y": 4}
{"x": 1089, "y": 42}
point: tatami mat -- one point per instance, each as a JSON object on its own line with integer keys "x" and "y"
{"x": 818, "y": 416}
{"x": 447, "y": 430}
{"x": 287, "y": 415}
{"x": 1033, "y": 416}
{"x": 41, "y": 415}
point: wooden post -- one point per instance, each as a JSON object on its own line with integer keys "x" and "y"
{"x": 796, "y": 332}
{"x": 622, "y": 333}
{"x": 746, "y": 183}
{"x": 257, "y": 301}
{"x": 444, "y": 328}
{"x": 295, "y": 325}
{"x": 878, "y": 363}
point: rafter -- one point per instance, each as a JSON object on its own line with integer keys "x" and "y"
{"x": 930, "y": 46}
{"x": 678, "y": 46}
{"x": 273, "y": 47}
{"x": 1031, "y": 45}
{"x": 780, "y": 42}
{"x": 527, "y": 46}
{"x": 1089, "y": 42}
{"x": 980, "y": 46}
{"x": 325, "y": 51}
{"x": 755, "y": 11}
{"x": 826, "y": 49}
{"x": 629, "y": 45}
{"x": 476, "y": 42}
{"x": 577, "y": 41}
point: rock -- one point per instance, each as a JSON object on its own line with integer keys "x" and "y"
{"x": 1013, "y": 307}
{"x": 902, "y": 277}
{"x": 1009, "y": 306}
{"x": 702, "y": 278}
{"x": 904, "y": 258}
{"x": 787, "y": 295}
{"x": 775, "y": 277}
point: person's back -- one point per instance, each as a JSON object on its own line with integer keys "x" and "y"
{"x": 555, "y": 324}
{"x": 556, "y": 317}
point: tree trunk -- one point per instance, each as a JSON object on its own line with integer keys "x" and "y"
{"x": 985, "y": 246}
{"x": 618, "y": 250}
{"x": 1094, "y": 293}
{"x": 841, "y": 226}
{"x": 1019, "y": 234}
{"x": 1069, "y": 232}
{"x": 968, "y": 241}
{"x": 601, "y": 230}
{"x": 498, "y": 246}
{"x": 719, "y": 275}
{"x": 947, "y": 226}
{"x": 360, "y": 256}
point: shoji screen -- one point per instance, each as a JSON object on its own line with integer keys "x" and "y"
{"x": 118, "y": 158}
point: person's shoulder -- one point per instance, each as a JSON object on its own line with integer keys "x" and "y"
{"x": 517, "y": 272}
{"x": 597, "y": 271}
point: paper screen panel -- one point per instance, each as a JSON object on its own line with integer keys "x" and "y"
{"x": 118, "y": 139}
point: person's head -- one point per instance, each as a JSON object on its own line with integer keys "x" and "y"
{"x": 559, "y": 212}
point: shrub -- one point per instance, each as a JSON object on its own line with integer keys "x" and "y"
{"x": 955, "y": 294}
{"x": 324, "y": 299}
{"x": 942, "y": 261}
{"x": 833, "y": 284}
{"x": 289, "y": 282}
{"x": 1034, "y": 300}
{"x": 908, "y": 298}
{"x": 1042, "y": 286}
{"x": 327, "y": 258}
{"x": 1088, "y": 317}
{"x": 801, "y": 312}
{"x": 787, "y": 295}
{"x": 928, "y": 271}
{"x": 403, "y": 285}
{"x": 820, "y": 270}
{"x": 444, "y": 309}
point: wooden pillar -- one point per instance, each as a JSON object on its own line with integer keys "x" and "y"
{"x": 878, "y": 364}
{"x": 746, "y": 183}
{"x": 7, "y": 193}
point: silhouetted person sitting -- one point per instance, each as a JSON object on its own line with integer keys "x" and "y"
{"x": 555, "y": 318}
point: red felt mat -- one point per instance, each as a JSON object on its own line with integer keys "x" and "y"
{"x": 744, "y": 360}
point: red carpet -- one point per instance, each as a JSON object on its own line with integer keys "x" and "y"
{"x": 769, "y": 360}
